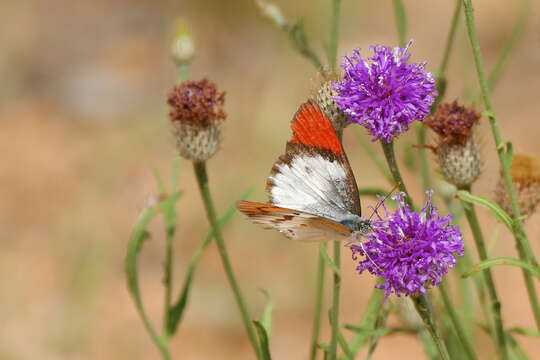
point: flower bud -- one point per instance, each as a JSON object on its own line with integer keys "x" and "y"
{"x": 457, "y": 149}
{"x": 526, "y": 178}
{"x": 272, "y": 12}
{"x": 182, "y": 46}
{"x": 460, "y": 165}
{"x": 325, "y": 100}
{"x": 196, "y": 116}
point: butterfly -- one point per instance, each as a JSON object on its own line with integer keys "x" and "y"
{"x": 312, "y": 190}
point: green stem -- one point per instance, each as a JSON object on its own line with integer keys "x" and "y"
{"x": 515, "y": 36}
{"x": 368, "y": 320}
{"x": 501, "y": 146}
{"x": 388, "y": 149}
{"x": 372, "y": 154}
{"x": 470, "y": 213}
{"x": 401, "y": 20}
{"x": 450, "y": 39}
{"x": 460, "y": 330}
{"x": 332, "y": 350}
{"x": 202, "y": 180}
{"x": 334, "y": 41}
{"x": 424, "y": 309}
{"x": 318, "y": 305}
{"x": 505, "y": 158}
{"x": 441, "y": 87}
{"x": 168, "y": 280}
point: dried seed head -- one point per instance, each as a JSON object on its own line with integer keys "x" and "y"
{"x": 457, "y": 150}
{"x": 526, "y": 179}
{"x": 196, "y": 115}
{"x": 325, "y": 100}
{"x": 460, "y": 164}
{"x": 453, "y": 123}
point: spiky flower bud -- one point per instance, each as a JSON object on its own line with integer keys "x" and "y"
{"x": 526, "y": 178}
{"x": 196, "y": 116}
{"x": 325, "y": 100}
{"x": 457, "y": 149}
{"x": 182, "y": 46}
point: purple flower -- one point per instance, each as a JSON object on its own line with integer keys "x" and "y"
{"x": 384, "y": 93}
{"x": 410, "y": 250}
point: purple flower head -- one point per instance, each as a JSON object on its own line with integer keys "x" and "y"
{"x": 384, "y": 93}
{"x": 410, "y": 250}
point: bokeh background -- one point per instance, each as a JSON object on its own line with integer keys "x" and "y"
{"x": 84, "y": 118}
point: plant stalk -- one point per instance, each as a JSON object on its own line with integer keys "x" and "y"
{"x": 202, "y": 180}
{"x": 505, "y": 158}
{"x": 470, "y": 213}
{"x": 424, "y": 309}
{"x": 332, "y": 350}
{"x": 460, "y": 330}
{"x": 321, "y": 267}
{"x": 388, "y": 149}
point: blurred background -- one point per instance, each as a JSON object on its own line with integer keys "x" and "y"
{"x": 84, "y": 118}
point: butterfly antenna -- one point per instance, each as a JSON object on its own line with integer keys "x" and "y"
{"x": 384, "y": 199}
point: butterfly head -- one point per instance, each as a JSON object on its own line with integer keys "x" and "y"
{"x": 357, "y": 223}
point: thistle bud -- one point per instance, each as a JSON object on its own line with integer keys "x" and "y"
{"x": 196, "y": 116}
{"x": 457, "y": 149}
{"x": 325, "y": 100}
{"x": 272, "y": 12}
{"x": 182, "y": 47}
{"x": 526, "y": 178}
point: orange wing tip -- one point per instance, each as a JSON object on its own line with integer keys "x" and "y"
{"x": 312, "y": 127}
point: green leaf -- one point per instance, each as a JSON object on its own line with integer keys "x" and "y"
{"x": 329, "y": 261}
{"x": 175, "y": 173}
{"x": 368, "y": 320}
{"x": 266, "y": 319}
{"x": 177, "y": 310}
{"x": 345, "y": 347}
{"x": 380, "y": 323}
{"x": 517, "y": 350}
{"x": 367, "y": 332}
{"x": 159, "y": 180}
{"x": 263, "y": 340}
{"x": 138, "y": 236}
{"x": 486, "y": 264}
{"x": 524, "y": 331}
{"x": 493, "y": 207}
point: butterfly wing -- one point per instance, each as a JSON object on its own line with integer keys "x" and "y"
{"x": 314, "y": 175}
{"x": 294, "y": 224}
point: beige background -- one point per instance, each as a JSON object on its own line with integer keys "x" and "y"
{"x": 83, "y": 119}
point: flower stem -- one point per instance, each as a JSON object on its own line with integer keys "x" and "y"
{"x": 168, "y": 280}
{"x": 318, "y": 305}
{"x": 334, "y": 41}
{"x": 505, "y": 158}
{"x": 401, "y": 20}
{"x": 441, "y": 87}
{"x": 202, "y": 180}
{"x": 515, "y": 36}
{"x": 502, "y": 147}
{"x": 332, "y": 350}
{"x": 424, "y": 309}
{"x": 450, "y": 39}
{"x": 470, "y": 213}
{"x": 460, "y": 330}
{"x": 388, "y": 149}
